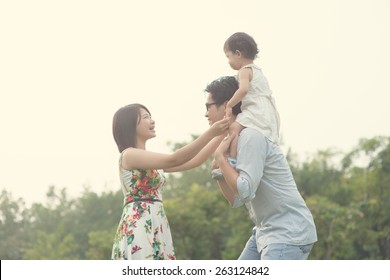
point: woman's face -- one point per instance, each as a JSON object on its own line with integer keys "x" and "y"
{"x": 146, "y": 125}
{"x": 214, "y": 112}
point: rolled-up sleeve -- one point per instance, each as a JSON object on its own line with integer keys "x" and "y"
{"x": 251, "y": 154}
{"x": 243, "y": 195}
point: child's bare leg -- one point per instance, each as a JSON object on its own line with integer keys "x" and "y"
{"x": 234, "y": 131}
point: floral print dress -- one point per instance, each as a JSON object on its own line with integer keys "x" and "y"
{"x": 143, "y": 232}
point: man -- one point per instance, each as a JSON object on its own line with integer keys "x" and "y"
{"x": 262, "y": 180}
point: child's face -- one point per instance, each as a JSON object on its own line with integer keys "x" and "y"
{"x": 234, "y": 59}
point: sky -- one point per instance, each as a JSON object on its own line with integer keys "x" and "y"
{"x": 67, "y": 66}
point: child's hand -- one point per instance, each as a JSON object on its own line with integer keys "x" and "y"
{"x": 228, "y": 112}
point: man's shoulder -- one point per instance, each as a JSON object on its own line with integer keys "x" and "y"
{"x": 249, "y": 134}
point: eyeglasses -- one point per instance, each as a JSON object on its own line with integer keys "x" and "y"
{"x": 210, "y": 104}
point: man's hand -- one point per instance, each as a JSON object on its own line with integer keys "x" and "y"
{"x": 222, "y": 151}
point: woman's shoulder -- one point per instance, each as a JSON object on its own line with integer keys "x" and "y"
{"x": 127, "y": 153}
{"x": 124, "y": 157}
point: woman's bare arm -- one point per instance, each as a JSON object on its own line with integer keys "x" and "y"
{"x": 142, "y": 159}
{"x": 200, "y": 158}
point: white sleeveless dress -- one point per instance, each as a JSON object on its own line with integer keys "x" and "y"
{"x": 258, "y": 107}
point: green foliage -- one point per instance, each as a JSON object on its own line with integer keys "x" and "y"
{"x": 53, "y": 246}
{"x": 203, "y": 224}
{"x": 63, "y": 228}
{"x": 351, "y": 209}
{"x": 348, "y": 194}
{"x": 336, "y": 226}
{"x": 100, "y": 244}
{"x": 96, "y": 214}
{"x": 14, "y": 227}
{"x": 317, "y": 175}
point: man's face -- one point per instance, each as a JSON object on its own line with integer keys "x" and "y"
{"x": 214, "y": 112}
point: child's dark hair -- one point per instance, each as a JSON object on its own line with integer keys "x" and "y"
{"x": 242, "y": 42}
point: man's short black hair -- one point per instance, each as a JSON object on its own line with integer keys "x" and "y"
{"x": 222, "y": 89}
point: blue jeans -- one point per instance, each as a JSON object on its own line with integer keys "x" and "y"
{"x": 275, "y": 251}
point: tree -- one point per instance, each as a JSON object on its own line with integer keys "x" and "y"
{"x": 204, "y": 226}
{"x": 372, "y": 195}
{"x": 100, "y": 244}
{"x": 14, "y": 227}
{"x": 58, "y": 245}
{"x": 350, "y": 207}
{"x": 348, "y": 194}
{"x": 96, "y": 217}
{"x": 76, "y": 223}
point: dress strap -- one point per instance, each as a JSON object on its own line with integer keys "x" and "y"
{"x": 121, "y": 170}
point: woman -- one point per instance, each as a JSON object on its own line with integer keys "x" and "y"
{"x": 143, "y": 231}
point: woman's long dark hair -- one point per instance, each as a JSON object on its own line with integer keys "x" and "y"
{"x": 124, "y": 126}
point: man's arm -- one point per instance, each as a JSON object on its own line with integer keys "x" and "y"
{"x": 241, "y": 183}
{"x": 228, "y": 189}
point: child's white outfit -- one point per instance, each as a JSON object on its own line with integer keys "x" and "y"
{"x": 258, "y": 111}
{"x": 258, "y": 106}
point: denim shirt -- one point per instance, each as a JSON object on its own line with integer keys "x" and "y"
{"x": 267, "y": 188}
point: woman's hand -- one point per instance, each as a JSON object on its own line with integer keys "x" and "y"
{"x": 220, "y": 127}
